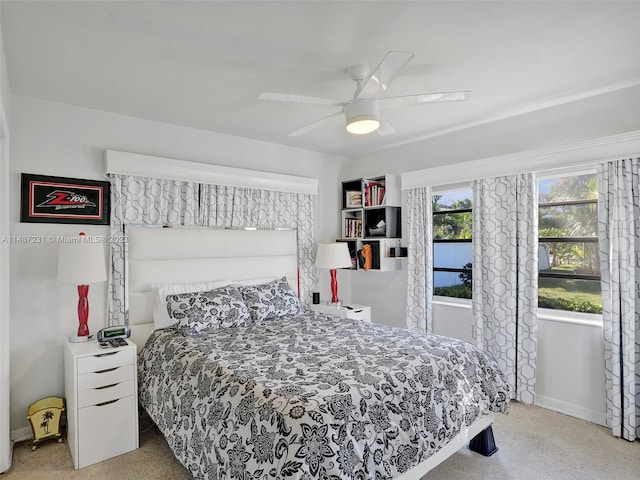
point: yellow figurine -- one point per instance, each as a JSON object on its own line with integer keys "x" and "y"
{"x": 44, "y": 417}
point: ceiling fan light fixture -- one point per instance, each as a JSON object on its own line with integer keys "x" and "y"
{"x": 361, "y": 112}
{"x": 363, "y": 124}
{"x": 362, "y": 116}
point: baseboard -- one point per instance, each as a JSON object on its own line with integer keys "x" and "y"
{"x": 572, "y": 410}
{"x": 21, "y": 434}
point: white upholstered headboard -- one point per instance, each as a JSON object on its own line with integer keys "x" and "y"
{"x": 189, "y": 255}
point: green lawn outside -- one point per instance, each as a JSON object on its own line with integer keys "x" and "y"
{"x": 574, "y": 295}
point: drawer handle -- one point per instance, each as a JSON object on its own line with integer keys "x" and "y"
{"x": 107, "y": 403}
{"x": 106, "y": 386}
{"x": 108, "y": 354}
{"x": 106, "y": 370}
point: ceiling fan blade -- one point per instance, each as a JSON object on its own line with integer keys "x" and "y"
{"x": 385, "y": 72}
{"x": 385, "y": 127}
{"x": 316, "y": 124}
{"x": 287, "y": 97}
{"x": 394, "y": 102}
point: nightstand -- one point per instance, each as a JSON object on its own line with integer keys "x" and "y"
{"x": 352, "y": 311}
{"x": 102, "y": 408}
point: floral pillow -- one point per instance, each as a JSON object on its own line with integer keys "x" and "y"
{"x": 271, "y": 299}
{"x": 161, "y": 318}
{"x": 202, "y": 312}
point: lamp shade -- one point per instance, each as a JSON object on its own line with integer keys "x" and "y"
{"x": 81, "y": 261}
{"x": 333, "y": 255}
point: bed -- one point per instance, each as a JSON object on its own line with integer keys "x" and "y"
{"x": 299, "y": 394}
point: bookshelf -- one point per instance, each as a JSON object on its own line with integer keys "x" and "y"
{"x": 371, "y": 215}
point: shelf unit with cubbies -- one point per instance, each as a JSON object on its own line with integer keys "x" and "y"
{"x": 371, "y": 215}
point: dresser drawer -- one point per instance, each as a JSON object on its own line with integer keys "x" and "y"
{"x": 103, "y": 361}
{"x": 96, "y": 396}
{"x": 354, "y": 312}
{"x": 106, "y": 377}
{"x": 105, "y": 431}
{"x": 359, "y": 314}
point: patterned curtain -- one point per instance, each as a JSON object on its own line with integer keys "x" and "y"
{"x": 143, "y": 201}
{"x": 619, "y": 235}
{"x": 237, "y": 207}
{"x": 152, "y": 201}
{"x": 505, "y": 276}
{"x": 420, "y": 260}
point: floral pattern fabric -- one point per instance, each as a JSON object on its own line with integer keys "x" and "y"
{"x": 271, "y": 299}
{"x": 313, "y": 396}
{"x": 200, "y": 312}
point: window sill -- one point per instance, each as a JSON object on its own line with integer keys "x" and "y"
{"x": 545, "y": 314}
{"x": 575, "y": 318}
{"x": 452, "y": 302}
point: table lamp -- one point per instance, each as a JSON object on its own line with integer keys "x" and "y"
{"x": 333, "y": 256}
{"x": 81, "y": 262}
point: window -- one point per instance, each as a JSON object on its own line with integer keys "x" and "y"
{"x": 452, "y": 249}
{"x": 568, "y": 265}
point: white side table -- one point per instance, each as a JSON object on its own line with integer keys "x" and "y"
{"x": 102, "y": 408}
{"x": 352, "y": 311}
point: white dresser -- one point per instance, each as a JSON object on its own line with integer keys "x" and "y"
{"x": 102, "y": 409}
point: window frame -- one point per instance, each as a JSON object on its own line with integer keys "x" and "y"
{"x": 446, "y": 190}
{"x": 596, "y": 240}
{"x": 563, "y": 173}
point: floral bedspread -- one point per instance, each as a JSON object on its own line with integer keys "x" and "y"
{"x": 313, "y": 396}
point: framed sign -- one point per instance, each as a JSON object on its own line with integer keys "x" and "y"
{"x": 46, "y": 199}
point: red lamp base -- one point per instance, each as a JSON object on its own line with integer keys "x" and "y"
{"x": 83, "y": 310}
{"x": 334, "y": 286}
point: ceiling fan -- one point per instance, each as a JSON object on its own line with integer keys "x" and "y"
{"x": 362, "y": 111}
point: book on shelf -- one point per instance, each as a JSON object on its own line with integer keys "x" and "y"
{"x": 352, "y": 227}
{"x": 374, "y": 194}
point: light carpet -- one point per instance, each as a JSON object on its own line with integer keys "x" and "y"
{"x": 534, "y": 443}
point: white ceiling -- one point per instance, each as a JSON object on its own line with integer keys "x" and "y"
{"x": 202, "y": 64}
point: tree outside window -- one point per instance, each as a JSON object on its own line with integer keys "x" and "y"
{"x": 452, "y": 249}
{"x": 569, "y": 264}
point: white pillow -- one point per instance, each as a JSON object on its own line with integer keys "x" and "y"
{"x": 161, "y": 318}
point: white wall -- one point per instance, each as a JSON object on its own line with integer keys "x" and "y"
{"x": 570, "y": 354}
{"x": 5, "y": 443}
{"x": 55, "y": 139}
{"x": 570, "y": 359}
{"x": 593, "y": 118}
{"x": 570, "y": 375}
